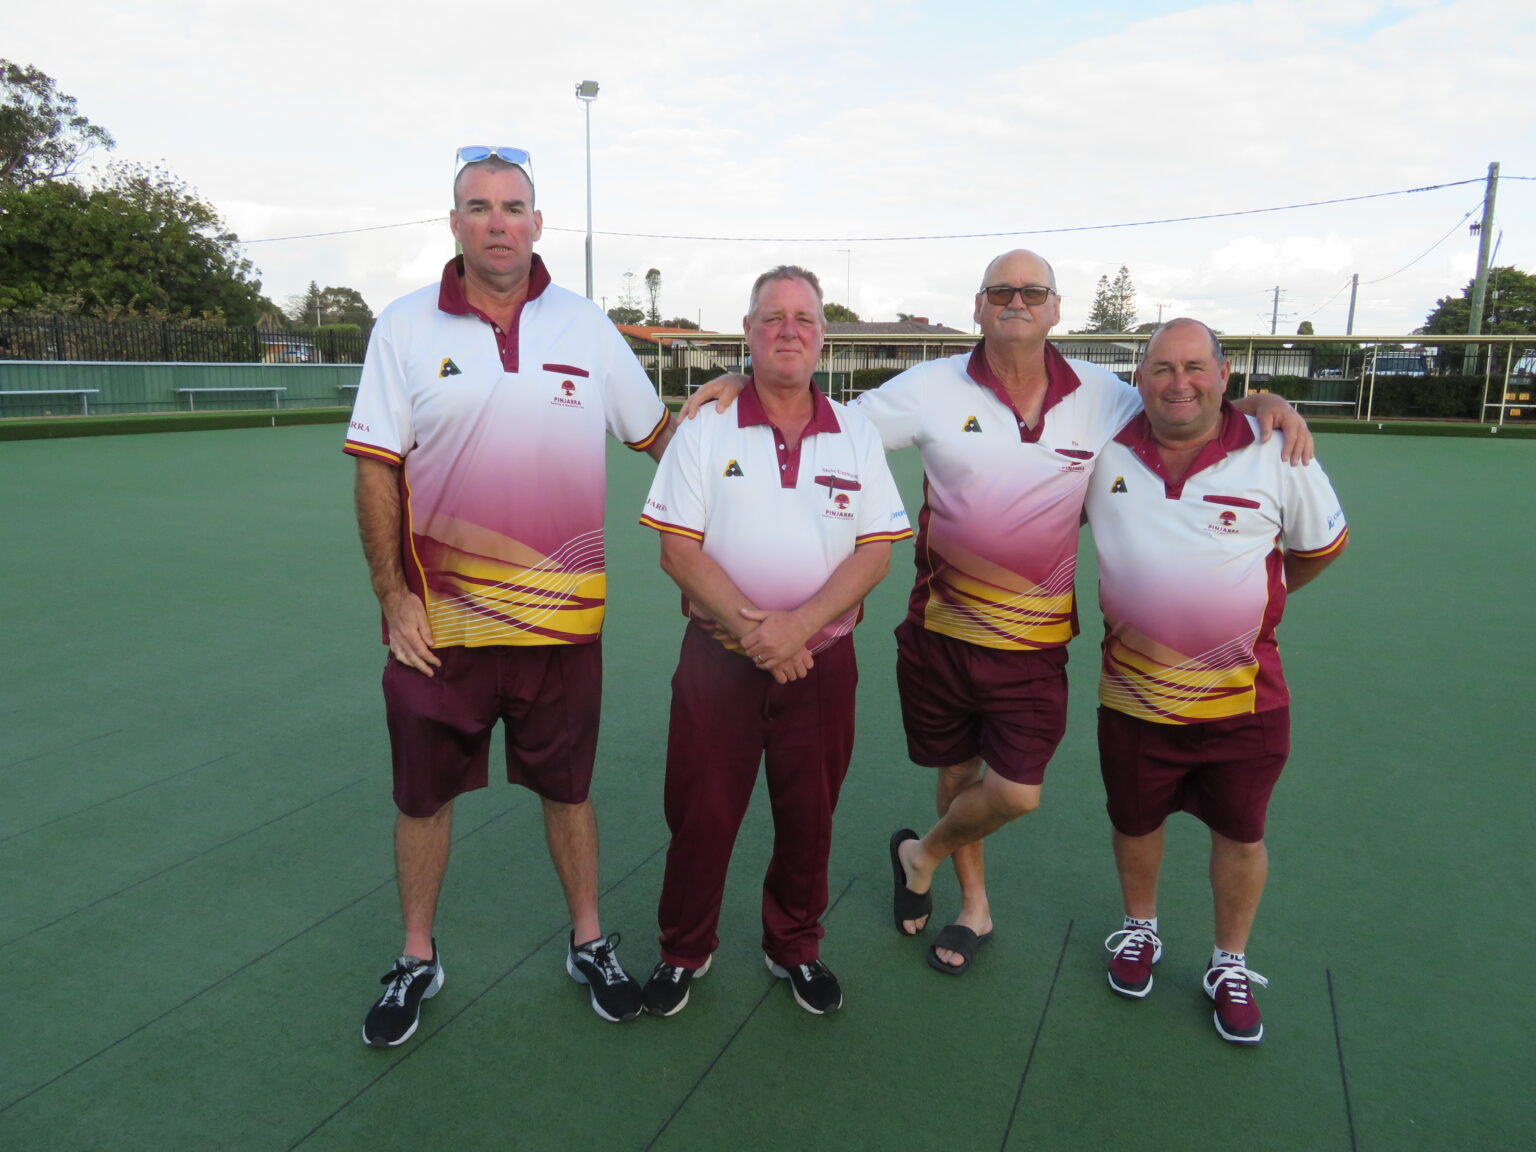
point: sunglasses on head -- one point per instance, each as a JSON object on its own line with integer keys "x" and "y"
{"x": 1003, "y": 293}
{"x": 474, "y": 153}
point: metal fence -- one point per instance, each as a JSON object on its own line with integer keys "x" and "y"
{"x": 1485, "y": 379}
{"x": 135, "y": 340}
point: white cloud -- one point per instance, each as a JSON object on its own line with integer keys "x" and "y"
{"x": 809, "y": 121}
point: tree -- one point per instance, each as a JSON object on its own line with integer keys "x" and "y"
{"x": 1510, "y": 306}
{"x": 680, "y": 322}
{"x": 1114, "y": 304}
{"x": 1304, "y": 328}
{"x": 42, "y": 134}
{"x": 619, "y": 314}
{"x": 318, "y": 306}
{"x": 839, "y": 313}
{"x": 903, "y": 317}
{"x": 653, "y": 289}
{"x": 142, "y": 241}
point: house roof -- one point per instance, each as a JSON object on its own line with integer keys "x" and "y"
{"x": 917, "y": 327}
{"x": 653, "y": 334}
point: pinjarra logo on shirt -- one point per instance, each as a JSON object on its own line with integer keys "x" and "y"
{"x": 1226, "y": 526}
{"x": 567, "y": 397}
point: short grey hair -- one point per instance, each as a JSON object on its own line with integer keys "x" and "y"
{"x": 786, "y": 272}
{"x": 1216, "y": 349}
{"x": 493, "y": 164}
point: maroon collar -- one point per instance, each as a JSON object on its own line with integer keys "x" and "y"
{"x": 450, "y": 294}
{"x": 1235, "y": 433}
{"x": 1060, "y": 380}
{"x": 749, "y": 411}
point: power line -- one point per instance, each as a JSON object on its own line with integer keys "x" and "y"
{"x": 946, "y": 236}
{"x": 1428, "y": 250}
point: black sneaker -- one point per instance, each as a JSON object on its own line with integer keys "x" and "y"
{"x": 666, "y": 992}
{"x": 615, "y": 997}
{"x": 815, "y": 988}
{"x": 412, "y": 980}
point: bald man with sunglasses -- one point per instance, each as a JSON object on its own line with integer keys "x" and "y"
{"x": 480, "y": 437}
{"x": 1008, "y": 436}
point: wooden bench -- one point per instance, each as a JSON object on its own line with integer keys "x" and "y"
{"x": 85, "y": 395}
{"x": 192, "y": 393}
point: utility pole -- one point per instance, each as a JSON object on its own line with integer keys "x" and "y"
{"x": 1354, "y": 290}
{"x": 1484, "y": 238}
{"x": 1274, "y": 315}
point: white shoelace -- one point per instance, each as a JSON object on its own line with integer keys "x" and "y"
{"x": 1133, "y": 941}
{"x": 1236, "y": 978}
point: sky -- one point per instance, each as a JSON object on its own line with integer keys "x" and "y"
{"x": 731, "y": 137}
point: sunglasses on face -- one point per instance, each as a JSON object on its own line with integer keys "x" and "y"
{"x": 1002, "y": 294}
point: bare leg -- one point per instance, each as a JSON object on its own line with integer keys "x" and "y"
{"x": 421, "y": 860}
{"x": 1138, "y": 859}
{"x": 980, "y": 804}
{"x": 1238, "y": 872}
{"x": 571, "y": 830}
{"x": 970, "y": 865}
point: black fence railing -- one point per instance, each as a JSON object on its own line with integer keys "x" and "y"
{"x": 35, "y": 337}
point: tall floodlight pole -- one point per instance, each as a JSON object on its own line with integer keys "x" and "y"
{"x": 586, "y": 92}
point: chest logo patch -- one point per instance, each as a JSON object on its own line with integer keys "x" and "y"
{"x": 972, "y": 425}
{"x": 567, "y": 388}
{"x": 447, "y": 369}
{"x": 1119, "y": 485}
{"x": 732, "y": 469}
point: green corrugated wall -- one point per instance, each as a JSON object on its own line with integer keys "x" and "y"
{"x": 129, "y": 388}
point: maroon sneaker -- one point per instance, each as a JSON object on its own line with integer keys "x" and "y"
{"x": 1133, "y": 952}
{"x": 1237, "y": 1016}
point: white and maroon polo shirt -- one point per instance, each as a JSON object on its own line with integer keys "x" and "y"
{"x": 1191, "y": 575}
{"x": 499, "y": 438}
{"x": 778, "y": 521}
{"x": 997, "y": 536}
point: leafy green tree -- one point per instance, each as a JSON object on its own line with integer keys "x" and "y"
{"x": 1114, "y": 304}
{"x": 839, "y": 313}
{"x": 142, "y": 241}
{"x": 325, "y": 307}
{"x": 680, "y": 322}
{"x": 626, "y": 314}
{"x": 42, "y": 134}
{"x": 653, "y": 290}
{"x": 1510, "y": 306}
{"x": 1304, "y": 328}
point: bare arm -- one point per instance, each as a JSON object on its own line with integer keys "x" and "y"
{"x": 782, "y": 632}
{"x": 1302, "y": 570}
{"x": 378, "y": 523}
{"x": 723, "y": 390}
{"x": 658, "y": 447}
{"x": 1276, "y": 412}
{"x": 715, "y": 594}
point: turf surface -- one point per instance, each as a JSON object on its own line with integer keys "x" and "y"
{"x": 200, "y": 899}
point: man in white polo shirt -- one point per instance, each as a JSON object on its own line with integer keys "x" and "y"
{"x": 1009, "y": 436}
{"x": 479, "y": 433}
{"x": 776, "y": 520}
{"x": 1201, "y": 532}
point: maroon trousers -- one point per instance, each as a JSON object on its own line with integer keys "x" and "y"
{"x": 727, "y": 716}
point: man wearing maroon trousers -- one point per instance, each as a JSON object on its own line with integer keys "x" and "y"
{"x": 776, "y": 520}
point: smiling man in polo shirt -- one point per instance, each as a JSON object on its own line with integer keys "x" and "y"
{"x": 776, "y": 520}
{"x": 1201, "y": 531}
{"x": 1009, "y": 436}
{"x": 479, "y": 433}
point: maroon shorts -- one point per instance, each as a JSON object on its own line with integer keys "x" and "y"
{"x": 440, "y": 726}
{"x": 960, "y": 700}
{"x": 1221, "y": 772}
